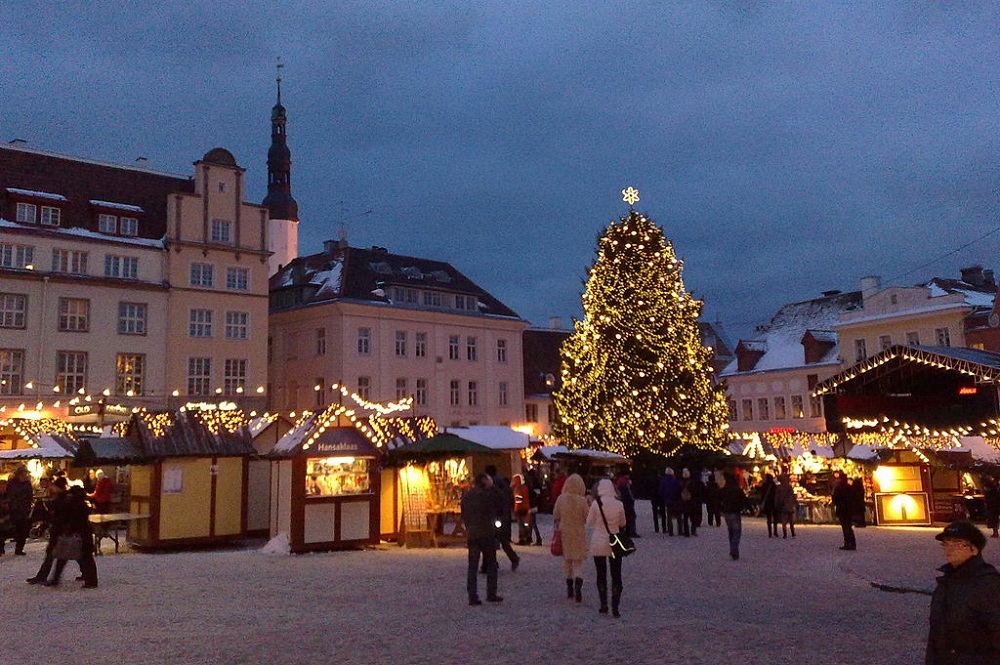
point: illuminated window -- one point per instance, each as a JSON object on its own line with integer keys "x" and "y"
{"x": 797, "y": 411}
{"x": 130, "y": 369}
{"x": 16, "y": 256}
{"x": 13, "y": 310}
{"x": 26, "y": 213}
{"x": 71, "y": 371}
{"x": 420, "y": 395}
{"x": 454, "y": 392}
{"x": 364, "y": 341}
{"x": 11, "y": 371}
{"x": 199, "y": 376}
{"x": 131, "y": 318}
{"x": 234, "y": 376}
{"x": 420, "y": 345}
{"x": 200, "y": 323}
{"x": 74, "y": 315}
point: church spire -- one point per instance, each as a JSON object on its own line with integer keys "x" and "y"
{"x": 279, "y": 164}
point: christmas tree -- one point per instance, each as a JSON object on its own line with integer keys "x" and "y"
{"x": 635, "y": 374}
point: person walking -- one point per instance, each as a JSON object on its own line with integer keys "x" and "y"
{"x": 19, "y": 499}
{"x": 534, "y": 483}
{"x": 479, "y": 514}
{"x": 732, "y": 502}
{"x": 767, "y": 488}
{"x": 786, "y": 505}
{"x": 505, "y": 500}
{"x": 658, "y": 506}
{"x": 521, "y": 507}
{"x": 712, "y": 501}
{"x": 569, "y": 517}
{"x": 965, "y": 614}
{"x": 623, "y": 484}
{"x": 75, "y": 522}
{"x": 606, "y": 516}
{"x": 669, "y": 492}
{"x": 57, "y": 512}
{"x": 843, "y": 507}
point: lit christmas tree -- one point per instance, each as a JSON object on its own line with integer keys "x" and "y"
{"x": 635, "y": 374}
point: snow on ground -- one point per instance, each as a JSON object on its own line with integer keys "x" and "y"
{"x": 786, "y": 601}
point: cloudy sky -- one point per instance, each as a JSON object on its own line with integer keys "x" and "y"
{"x": 785, "y": 148}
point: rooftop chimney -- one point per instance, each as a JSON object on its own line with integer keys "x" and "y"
{"x": 973, "y": 275}
{"x": 870, "y": 285}
{"x": 141, "y": 161}
{"x": 555, "y": 322}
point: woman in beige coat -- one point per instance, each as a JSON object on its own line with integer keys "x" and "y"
{"x": 570, "y": 517}
{"x": 601, "y": 527}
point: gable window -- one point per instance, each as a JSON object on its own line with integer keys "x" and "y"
{"x": 454, "y": 390}
{"x": 74, "y": 314}
{"x": 26, "y": 213}
{"x": 15, "y": 256}
{"x": 200, "y": 323}
{"x": 202, "y": 274}
{"x": 13, "y": 310}
{"x": 71, "y": 371}
{"x": 131, "y": 318}
{"x": 453, "y": 347}
{"x": 420, "y": 395}
{"x": 943, "y": 338}
{"x": 420, "y": 345}
{"x": 501, "y": 350}
{"x": 126, "y": 267}
{"x": 11, "y": 371}
{"x": 128, "y": 226}
{"x": 237, "y": 325}
{"x": 364, "y": 341}
{"x": 199, "y": 376}
{"x": 130, "y": 368}
{"x": 237, "y": 279}
{"x": 107, "y": 223}
{"x": 234, "y": 376}
{"x": 50, "y": 216}
{"x": 69, "y": 261}
{"x": 222, "y": 231}
{"x": 400, "y": 343}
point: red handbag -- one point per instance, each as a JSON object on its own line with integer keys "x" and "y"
{"x": 556, "y": 545}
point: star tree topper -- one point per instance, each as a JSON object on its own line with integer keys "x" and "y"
{"x": 630, "y": 195}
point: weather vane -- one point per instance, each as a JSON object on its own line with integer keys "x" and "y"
{"x": 630, "y": 196}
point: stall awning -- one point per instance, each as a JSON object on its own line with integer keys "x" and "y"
{"x": 440, "y": 446}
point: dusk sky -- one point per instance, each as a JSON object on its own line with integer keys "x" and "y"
{"x": 785, "y": 148}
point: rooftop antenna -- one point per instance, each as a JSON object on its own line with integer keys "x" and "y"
{"x": 343, "y": 220}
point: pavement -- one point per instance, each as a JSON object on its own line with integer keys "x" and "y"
{"x": 798, "y": 600}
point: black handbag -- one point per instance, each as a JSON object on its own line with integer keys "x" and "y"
{"x": 621, "y": 543}
{"x": 68, "y": 548}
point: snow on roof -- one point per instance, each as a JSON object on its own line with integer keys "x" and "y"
{"x": 823, "y": 335}
{"x": 862, "y": 452}
{"x": 328, "y": 281}
{"x": 39, "y": 195}
{"x": 156, "y": 243}
{"x": 980, "y": 449}
{"x": 601, "y": 455}
{"x": 117, "y": 206}
{"x": 493, "y": 436}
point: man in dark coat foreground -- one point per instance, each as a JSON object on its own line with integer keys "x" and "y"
{"x": 479, "y": 514}
{"x": 965, "y": 607}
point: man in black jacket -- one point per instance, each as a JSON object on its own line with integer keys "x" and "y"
{"x": 965, "y": 613}
{"x": 480, "y": 507}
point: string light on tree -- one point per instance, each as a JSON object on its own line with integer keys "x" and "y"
{"x": 635, "y": 374}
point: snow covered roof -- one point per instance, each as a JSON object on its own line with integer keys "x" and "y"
{"x": 75, "y": 232}
{"x": 37, "y": 194}
{"x": 555, "y": 452}
{"x": 493, "y": 436}
{"x": 980, "y": 449}
{"x": 48, "y": 446}
{"x": 828, "y": 336}
{"x": 116, "y": 206}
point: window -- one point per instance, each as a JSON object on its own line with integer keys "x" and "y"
{"x": 237, "y": 325}
{"x": 364, "y": 341}
{"x": 200, "y": 323}
{"x": 501, "y": 350}
{"x": 860, "y": 352}
{"x": 13, "y": 310}
{"x": 320, "y": 341}
{"x": 797, "y": 411}
{"x": 943, "y": 338}
{"x": 400, "y": 343}
{"x": 553, "y": 413}
{"x": 222, "y": 231}
{"x": 432, "y": 299}
{"x": 779, "y": 408}
{"x": 402, "y": 389}
{"x": 128, "y": 226}
{"x": 465, "y": 302}
{"x": 11, "y": 371}
{"x": 107, "y": 224}
{"x": 420, "y": 395}
{"x": 202, "y": 274}
{"x": 913, "y": 339}
{"x": 531, "y": 413}
{"x": 470, "y": 348}
{"x": 74, "y": 314}
{"x": 26, "y": 213}
{"x": 319, "y": 387}
{"x": 69, "y": 261}
{"x": 420, "y": 345}
{"x": 238, "y": 279}
{"x": 815, "y": 407}
{"x": 130, "y": 368}
{"x": 16, "y": 256}
{"x": 50, "y": 216}
{"x": 764, "y": 413}
{"x": 199, "y": 376}
{"x": 748, "y": 409}
{"x": 234, "y": 377}
{"x": 893, "y": 299}
{"x": 454, "y": 396}
{"x": 71, "y": 371}
{"x": 403, "y": 295}
{"x": 502, "y": 393}
{"x": 131, "y": 318}
{"x": 473, "y": 393}
{"x": 364, "y": 387}
{"x": 732, "y": 410}
{"x": 222, "y": 187}
{"x": 126, "y": 267}
{"x": 884, "y": 342}
{"x": 453, "y": 347}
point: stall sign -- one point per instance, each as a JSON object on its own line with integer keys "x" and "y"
{"x": 968, "y": 390}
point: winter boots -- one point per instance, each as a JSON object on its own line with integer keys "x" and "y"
{"x": 578, "y": 589}
{"x": 569, "y": 588}
{"x": 616, "y": 598}
{"x": 602, "y": 593}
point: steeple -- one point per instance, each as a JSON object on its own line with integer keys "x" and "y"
{"x": 279, "y": 165}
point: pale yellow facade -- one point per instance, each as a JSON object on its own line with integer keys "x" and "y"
{"x": 778, "y": 399}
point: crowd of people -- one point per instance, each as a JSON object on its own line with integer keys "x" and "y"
{"x": 61, "y": 510}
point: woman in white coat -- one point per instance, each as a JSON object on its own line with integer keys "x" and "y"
{"x": 570, "y": 517}
{"x": 600, "y": 547}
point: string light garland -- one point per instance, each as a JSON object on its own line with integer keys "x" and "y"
{"x": 635, "y": 373}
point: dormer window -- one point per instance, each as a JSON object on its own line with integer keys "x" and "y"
{"x": 222, "y": 231}
{"x": 50, "y": 216}
{"x": 113, "y": 222}
{"x": 26, "y": 213}
{"x": 107, "y": 223}
{"x": 128, "y": 226}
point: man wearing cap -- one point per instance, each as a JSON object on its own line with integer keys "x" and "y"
{"x": 965, "y": 610}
